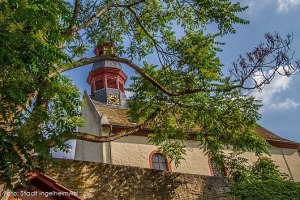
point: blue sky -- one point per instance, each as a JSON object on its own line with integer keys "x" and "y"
{"x": 281, "y": 99}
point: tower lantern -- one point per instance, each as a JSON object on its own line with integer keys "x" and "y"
{"x": 105, "y": 49}
{"x": 107, "y": 79}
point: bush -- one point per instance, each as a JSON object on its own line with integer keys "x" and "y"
{"x": 266, "y": 189}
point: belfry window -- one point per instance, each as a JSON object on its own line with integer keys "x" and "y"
{"x": 159, "y": 162}
{"x": 99, "y": 84}
{"x": 112, "y": 83}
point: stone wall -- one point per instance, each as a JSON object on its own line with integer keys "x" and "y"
{"x": 104, "y": 181}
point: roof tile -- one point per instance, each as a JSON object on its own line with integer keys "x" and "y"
{"x": 117, "y": 116}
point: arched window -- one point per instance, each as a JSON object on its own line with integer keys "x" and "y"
{"x": 215, "y": 170}
{"x": 159, "y": 162}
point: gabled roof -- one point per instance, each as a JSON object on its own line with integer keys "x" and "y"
{"x": 42, "y": 187}
{"x": 276, "y": 140}
{"x": 53, "y": 186}
{"x": 117, "y": 117}
{"x": 269, "y": 135}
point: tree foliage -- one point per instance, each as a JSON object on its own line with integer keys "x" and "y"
{"x": 240, "y": 170}
{"x": 261, "y": 180}
{"x": 185, "y": 95}
{"x": 267, "y": 190}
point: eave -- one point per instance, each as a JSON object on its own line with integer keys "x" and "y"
{"x": 286, "y": 144}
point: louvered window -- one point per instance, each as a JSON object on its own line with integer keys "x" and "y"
{"x": 112, "y": 83}
{"x": 99, "y": 84}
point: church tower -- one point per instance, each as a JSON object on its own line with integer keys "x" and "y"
{"x": 107, "y": 79}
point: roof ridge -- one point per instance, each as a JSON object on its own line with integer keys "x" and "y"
{"x": 276, "y": 135}
{"x": 108, "y": 106}
{"x": 271, "y": 132}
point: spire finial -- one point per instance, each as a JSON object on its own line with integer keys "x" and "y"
{"x": 105, "y": 48}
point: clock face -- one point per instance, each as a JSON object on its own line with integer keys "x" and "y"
{"x": 113, "y": 99}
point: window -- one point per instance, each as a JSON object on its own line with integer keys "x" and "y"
{"x": 159, "y": 162}
{"x": 215, "y": 170}
{"x": 112, "y": 83}
{"x": 99, "y": 84}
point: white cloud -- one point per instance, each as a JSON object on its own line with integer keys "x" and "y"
{"x": 283, "y": 6}
{"x": 287, "y": 104}
{"x": 286, "y": 5}
{"x": 128, "y": 93}
{"x": 278, "y": 84}
{"x": 254, "y": 5}
{"x": 271, "y": 93}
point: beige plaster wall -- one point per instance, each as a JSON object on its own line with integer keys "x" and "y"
{"x": 195, "y": 161}
{"x": 292, "y": 159}
{"x": 85, "y": 150}
{"x": 135, "y": 151}
{"x": 287, "y": 160}
{"x": 131, "y": 151}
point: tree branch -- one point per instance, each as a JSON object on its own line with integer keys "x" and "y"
{"x": 88, "y": 22}
{"x": 262, "y": 64}
{"x": 96, "y": 15}
{"x": 155, "y": 43}
{"x": 140, "y": 71}
{"x": 101, "y": 139}
{"x": 244, "y": 69}
{"x": 74, "y": 18}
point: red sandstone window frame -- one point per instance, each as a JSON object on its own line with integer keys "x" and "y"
{"x": 167, "y": 159}
{"x": 225, "y": 170}
{"x": 121, "y": 87}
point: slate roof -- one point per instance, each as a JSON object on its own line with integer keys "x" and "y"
{"x": 117, "y": 116}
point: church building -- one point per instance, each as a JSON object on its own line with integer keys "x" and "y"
{"x": 105, "y": 113}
